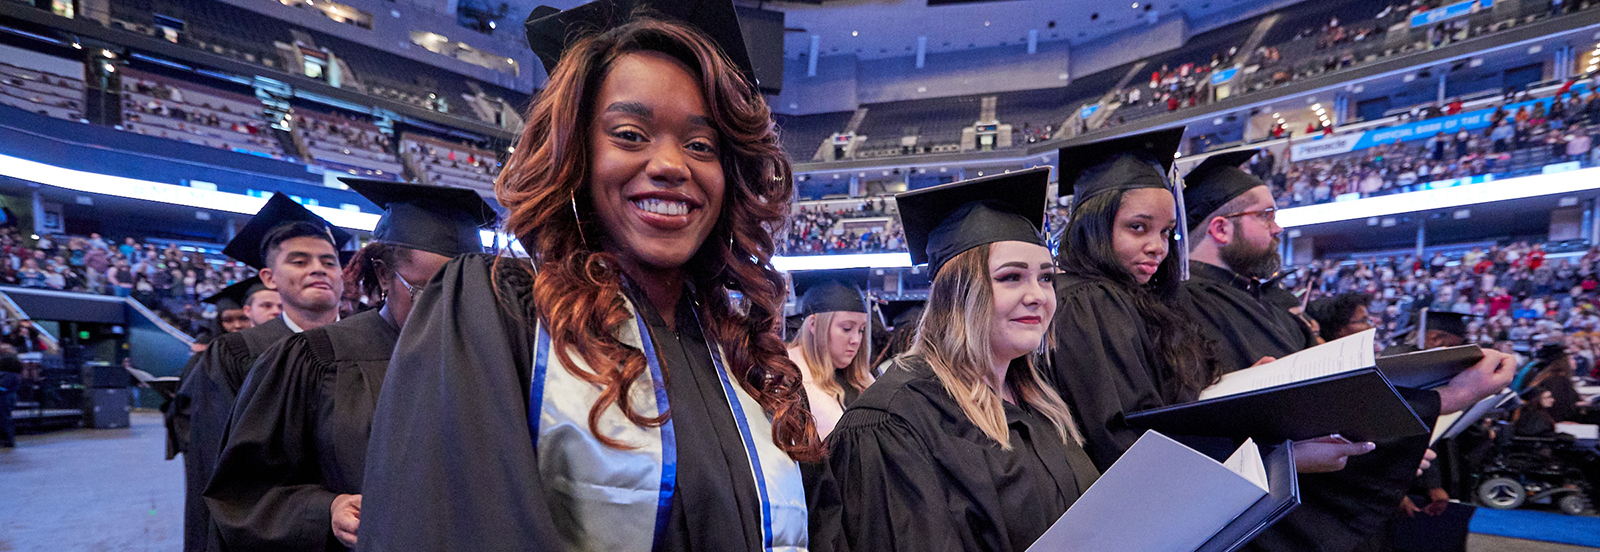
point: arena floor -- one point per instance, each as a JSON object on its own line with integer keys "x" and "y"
{"x": 109, "y": 491}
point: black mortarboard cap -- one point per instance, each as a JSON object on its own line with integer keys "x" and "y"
{"x": 435, "y": 219}
{"x": 550, "y": 31}
{"x": 830, "y": 290}
{"x": 1550, "y": 352}
{"x": 235, "y": 296}
{"x": 946, "y": 220}
{"x": 279, "y": 210}
{"x": 1216, "y": 181}
{"x": 900, "y": 313}
{"x": 1453, "y": 323}
{"x": 1125, "y": 163}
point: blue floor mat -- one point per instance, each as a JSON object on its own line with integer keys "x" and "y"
{"x": 1538, "y": 526}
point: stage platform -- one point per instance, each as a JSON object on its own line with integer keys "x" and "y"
{"x": 110, "y": 490}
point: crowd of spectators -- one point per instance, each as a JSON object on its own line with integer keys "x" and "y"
{"x": 1520, "y": 299}
{"x": 168, "y": 280}
{"x": 818, "y": 231}
{"x": 1566, "y": 132}
{"x": 1031, "y": 134}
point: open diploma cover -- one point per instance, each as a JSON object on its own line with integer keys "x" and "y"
{"x": 1147, "y": 501}
{"x": 1333, "y": 388}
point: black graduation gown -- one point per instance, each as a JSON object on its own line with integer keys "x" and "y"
{"x": 211, "y": 388}
{"x": 850, "y": 392}
{"x": 1341, "y": 509}
{"x": 176, "y": 412}
{"x": 299, "y": 436}
{"x": 1104, "y": 366}
{"x": 915, "y": 474}
{"x": 1232, "y": 313}
{"x": 451, "y": 428}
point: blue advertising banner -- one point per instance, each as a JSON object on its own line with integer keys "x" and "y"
{"x": 1223, "y": 76}
{"x": 1420, "y": 130}
{"x": 1449, "y": 12}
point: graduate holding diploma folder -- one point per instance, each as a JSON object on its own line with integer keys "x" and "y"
{"x": 1123, "y": 348}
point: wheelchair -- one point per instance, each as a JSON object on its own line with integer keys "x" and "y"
{"x": 1522, "y": 471}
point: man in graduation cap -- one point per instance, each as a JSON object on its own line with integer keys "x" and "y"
{"x": 289, "y": 476}
{"x": 832, "y": 347}
{"x": 239, "y": 306}
{"x": 1434, "y": 329}
{"x": 1232, "y": 222}
{"x": 297, "y": 254}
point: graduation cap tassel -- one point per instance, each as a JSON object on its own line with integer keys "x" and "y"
{"x": 1181, "y": 236}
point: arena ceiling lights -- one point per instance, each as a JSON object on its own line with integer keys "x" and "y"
{"x": 171, "y": 194}
{"x": 831, "y": 262}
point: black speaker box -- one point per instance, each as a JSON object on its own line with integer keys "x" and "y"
{"x": 108, "y": 408}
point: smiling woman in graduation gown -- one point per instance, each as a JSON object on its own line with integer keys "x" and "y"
{"x": 944, "y": 452}
{"x": 289, "y": 477}
{"x": 607, "y": 395}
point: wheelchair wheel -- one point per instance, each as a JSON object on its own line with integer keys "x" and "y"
{"x": 1574, "y": 505}
{"x": 1502, "y": 493}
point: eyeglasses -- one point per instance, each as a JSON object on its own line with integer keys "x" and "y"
{"x": 1269, "y": 214}
{"x": 410, "y": 289}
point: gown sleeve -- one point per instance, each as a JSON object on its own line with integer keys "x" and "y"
{"x": 1101, "y": 369}
{"x": 889, "y": 487}
{"x": 450, "y": 463}
{"x": 177, "y": 413}
{"x": 1341, "y": 509}
{"x": 210, "y": 402}
{"x": 264, "y": 494}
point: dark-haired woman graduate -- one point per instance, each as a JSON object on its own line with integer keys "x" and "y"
{"x": 1120, "y": 348}
{"x": 1233, "y": 223}
{"x": 608, "y": 395}
{"x": 961, "y": 445}
{"x": 831, "y": 346}
{"x": 289, "y": 477}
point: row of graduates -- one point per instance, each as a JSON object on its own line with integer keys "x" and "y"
{"x": 610, "y": 393}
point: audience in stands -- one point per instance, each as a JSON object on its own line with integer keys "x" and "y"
{"x": 818, "y": 231}
{"x": 1521, "y": 298}
{"x": 169, "y": 281}
{"x": 1514, "y": 144}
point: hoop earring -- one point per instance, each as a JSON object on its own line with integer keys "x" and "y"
{"x": 573, "y": 200}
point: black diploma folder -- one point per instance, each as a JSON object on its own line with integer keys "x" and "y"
{"x": 1428, "y": 369}
{"x": 1333, "y": 388}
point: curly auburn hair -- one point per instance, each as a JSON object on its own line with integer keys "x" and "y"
{"x": 577, "y": 290}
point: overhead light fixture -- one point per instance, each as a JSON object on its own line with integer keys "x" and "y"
{"x": 1136, "y": 5}
{"x": 161, "y": 192}
{"x": 1316, "y": 106}
{"x": 833, "y": 262}
{"x": 1443, "y": 198}
{"x": 855, "y": 33}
